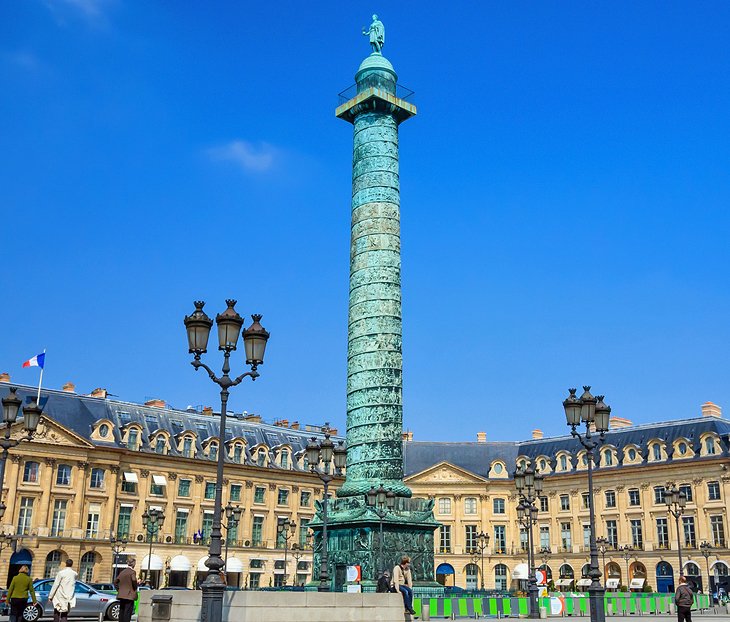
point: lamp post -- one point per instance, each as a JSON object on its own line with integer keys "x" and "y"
{"x": 31, "y": 418}
{"x": 482, "y": 540}
{"x": 152, "y": 521}
{"x": 198, "y": 326}
{"x": 285, "y": 530}
{"x": 627, "y": 552}
{"x": 298, "y": 551}
{"x": 118, "y": 545}
{"x": 706, "y": 550}
{"x": 529, "y": 485}
{"x": 322, "y": 454}
{"x": 545, "y": 553}
{"x": 382, "y": 501}
{"x": 602, "y": 544}
{"x": 233, "y": 517}
{"x": 676, "y": 501}
{"x": 590, "y": 411}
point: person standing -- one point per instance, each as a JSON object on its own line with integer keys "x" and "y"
{"x": 126, "y": 584}
{"x": 62, "y": 592}
{"x": 684, "y": 598}
{"x": 403, "y": 582}
{"x": 20, "y": 587}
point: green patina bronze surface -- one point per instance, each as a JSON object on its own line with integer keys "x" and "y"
{"x": 374, "y": 354}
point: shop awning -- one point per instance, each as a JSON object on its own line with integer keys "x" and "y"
{"x": 234, "y": 565}
{"x": 637, "y": 584}
{"x": 130, "y": 477}
{"x": 612, "y": 584}
{"x": 180, "y": 563}
{"x": 159, "y": 480}
{"x": 155, "y": 563}
{"x": 563, "y": 582}
{"x": 583, "y": 582}
{"x": 201, "y": 564}
{"x": 521, "y": 571}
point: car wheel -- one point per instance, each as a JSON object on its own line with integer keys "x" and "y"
{"x": 31, "y": 613}
{"x": 113, "y": 611}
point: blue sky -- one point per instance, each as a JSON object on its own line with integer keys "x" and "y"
{"x": 565, "y": 196}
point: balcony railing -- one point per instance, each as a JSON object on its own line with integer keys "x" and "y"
{"x": 376, "y": 81}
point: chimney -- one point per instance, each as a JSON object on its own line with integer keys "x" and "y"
{"x": 98, "y": 392}
{"x": 333, "y": 431}
{"x": 616, "y": 423}
{"x": 251, "y": 418}
{"x": 294, "y": 425}
{"x": 69, "y": 387}
{"x": 537, "y": 434}
{"x": 282, "y": 423}
{"x": 407, "y": 436}
{"x": 155, "y": 403}
{"x": 5, "y": 377}
{"x": 708, "y": 409}
{"x": 481, "y": 437}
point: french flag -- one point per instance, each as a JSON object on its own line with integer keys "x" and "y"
{"x": 37, "y": 361}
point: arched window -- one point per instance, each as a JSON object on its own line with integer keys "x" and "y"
{"x": 63, "y": 475}
{"x": 261, "y": 457}
{"x": 566, "y": 572}
{"x": 584, "y": 459}
{"x": 472, "y": 576}
{"x": 585, "y": 570}
{"x": 188, "y": 447}
{"x": 86, "y": 567}
{"x": 160, "y": 445}
{"x": 285, "y": 459}
{"x": 720, "y": 569}
{"x": 30, "y": 472}
{"x": 563, "y": 463}
{"x": 543, "y": 465}
{"x": 710, "y": 446}
{"x": 691, "y": 569}
{"x": 608, "y": 458}
{"x": 613, "y": 570}
{"x": 547, "y": 570}
{"x": 638, "y": 570}
{"x": 500, "y": 577}
{"x": 213, "y": 451}
{"x": 656, "y": 451}
{"x": 237, "y": 452}
{"x": 132, "y": 438}
{"x": 53, "y": 563}
{"x": 632, "y": 454}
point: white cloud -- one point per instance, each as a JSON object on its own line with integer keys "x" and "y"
{"x": 248, "y": 156}
{"x": 93, "y": 11}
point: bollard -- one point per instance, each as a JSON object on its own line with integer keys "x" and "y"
{"x": 425, "y": 613}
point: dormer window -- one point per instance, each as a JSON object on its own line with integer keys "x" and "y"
{"x": 285, "y": 459}
{"x": 682, "y": 447}
{"x": 237, "y": 453}
{"x": 160, "y": 445}
{"x": 104, "y": 430}
{"x": 656, "y": 451}
{"x": 632, "y": 454}
{"x": 608, "y": 458}
{"x": 132, "y": 439}
{"x": 563, "y": 463}
{"x": 261, "y": 457}
{"x": 710, "y": 446}
{"x": 187, "y": 447}
{"x": 213, "y": 451}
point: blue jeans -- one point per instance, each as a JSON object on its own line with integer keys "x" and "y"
{"x": 407, "y": 596}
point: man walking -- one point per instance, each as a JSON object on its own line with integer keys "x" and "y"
{"x": 126, "y": 584}
{"x": 684, "y": 598}
{"x": 62, "y": 592}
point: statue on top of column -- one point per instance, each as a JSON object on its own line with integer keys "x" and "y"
{"x": 377, "y": 35}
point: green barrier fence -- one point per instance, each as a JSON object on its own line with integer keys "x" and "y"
{"x": 617, "y": 604}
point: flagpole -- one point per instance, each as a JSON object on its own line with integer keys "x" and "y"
{"x": 40, "y": 381}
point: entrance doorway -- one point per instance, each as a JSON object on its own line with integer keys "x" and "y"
{"x": 20, "y": 558}
{"x": 664, "y": 577}
{"x": 442, "y": 574}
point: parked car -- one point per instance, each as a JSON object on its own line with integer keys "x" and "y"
{"x": 89, "y": 603}
{"x": 107, "y": 588}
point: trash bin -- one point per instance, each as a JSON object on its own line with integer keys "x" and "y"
{"x": 543, "y": 613}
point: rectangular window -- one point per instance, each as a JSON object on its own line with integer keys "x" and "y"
{"x": 257, "y": 530}
{"x": 634, "y": 497}
{"x": 444, "y": 505}
{"x": 213, "y": 452}
{"x": 283, "y": 497}
{"x": 544, "y": 537}
{"x": 210, "y": 490}
{"x": 232, "y": 534}
{"x": 662, "y": 533}
{"x": 687, "y": 490}
{"x": 156, "y": 490}
{"x": 124, "y": 521}
{"x": 181, "y": 527}
{"x": 543, "y": 504}
{"x": 254, "y": 580}
{"x": 258, "y": 494}
{"x": 717, "y": 526}
{"x": 612, "y": 533}
{"x": 63, "y": 475}
{"x": 565, "y": 537}
{"x": 92, "y": 521}
{"x": 305, "y": 498}
{"x": 132, "y": 439}
{"x": 564, "y": 503}
{"x": 659, "y": 492}
{"x": 235, "y": 492}
{"x": 30, "y": 472}
{"x": 637, "y": 537}
{"x": 610, "y": 499}
{"x": 284, "y": 460}
{"x": 584, "y": 499}
{"x": 498, "y": 506}
{"x": 688, "y": 526}
{"x": 713, "y": 491}
{"x": 586, "y": 535}
{"x": 445, "y": 545}
{"x": 160, "y": 445}
{"x": 500, "y": 539}
{"x": 303, "y": 532}
{"x": 59, "y": 517}
{"x": 470, "y": 505}
{"x": 188, "y": 447}
{"x": 25, "y": 515}
{"x": 97, "y": 478}
{"x": 471, "y": 538}
{"x": 523, "y": 539}
{"x": 710, "y": 446}
{"x": 183, "y": 487}
{"x": 207, "y": 525}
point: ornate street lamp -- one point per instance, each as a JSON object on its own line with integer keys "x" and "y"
{"x": 627, "y": 552}
{"x": 381, "y": 501}
{"x": 706, "y": 550}
{"x": 322, "y": 454}
{"x": 233, "y": 517}
{"x": 602, "y": 544}
{"x": 198, "y": 326}
{"x": 676, "y": 501}
{"x": 31, "y": 418}
{"x": 482, "y": 541}
{"x": 545, "y": 552}
{"x": 594, "y": 414}
{"x": 285, "y": 530}
{"x": 529, "y": 485}
{"x": 298, "y": 551}
{"x": 118, "y": 545}
{"x": 152, "y": 521}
